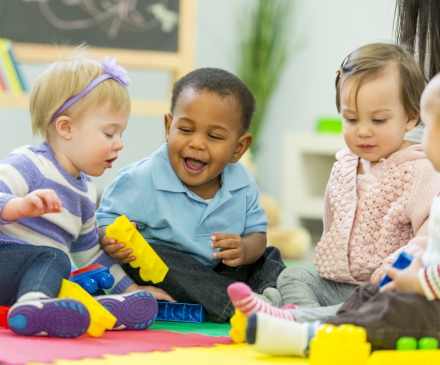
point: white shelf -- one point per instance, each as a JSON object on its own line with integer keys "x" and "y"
{"x": 307, "y": 161}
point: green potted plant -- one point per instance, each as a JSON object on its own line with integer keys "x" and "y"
{"x": 264, "y": 28}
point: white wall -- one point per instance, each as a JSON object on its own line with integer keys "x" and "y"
{"x": 329, "y": 29}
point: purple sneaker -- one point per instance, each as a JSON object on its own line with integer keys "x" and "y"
{"x": 52, "y": 317}
{"x": 134, "y": 311}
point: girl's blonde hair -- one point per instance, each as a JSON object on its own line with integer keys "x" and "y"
{"x": 370, "y": 61}
{"x": 67, "y": 77}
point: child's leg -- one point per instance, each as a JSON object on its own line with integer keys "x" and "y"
{"x": 304, "y": 287}
{"x": 248, "y": 302}
{"x": 27, "y": 269}
{"x": 33, "y": 275}
{"x": 388, "y": 316}
{"x": 134, "y": 311}
{"x": 277, "y": 336}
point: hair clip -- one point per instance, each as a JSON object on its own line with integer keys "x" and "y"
{"x": 339, "y": 72}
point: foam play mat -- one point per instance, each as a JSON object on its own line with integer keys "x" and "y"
{"x": 163, "y": 343}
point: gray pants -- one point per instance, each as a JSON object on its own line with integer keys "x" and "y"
{"x": 320, "y": 298}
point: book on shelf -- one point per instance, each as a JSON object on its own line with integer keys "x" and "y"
{"x": 11, "y": 77}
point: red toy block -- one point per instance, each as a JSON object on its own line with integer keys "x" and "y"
{"x": 4, "y": 316}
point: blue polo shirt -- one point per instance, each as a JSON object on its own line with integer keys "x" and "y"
{"x": 150, "y": 193}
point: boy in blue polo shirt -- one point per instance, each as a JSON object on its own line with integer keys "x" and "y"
{"x": 194, "y": 203}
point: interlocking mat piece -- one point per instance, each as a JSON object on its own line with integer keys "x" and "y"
{"x": 217, "y": 355}
{"x": 17, "y": 350}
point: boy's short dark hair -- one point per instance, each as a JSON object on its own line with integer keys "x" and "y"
{"x": 221, "y": 82}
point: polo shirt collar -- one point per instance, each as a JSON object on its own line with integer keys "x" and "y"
{"x": 233, "y": 176}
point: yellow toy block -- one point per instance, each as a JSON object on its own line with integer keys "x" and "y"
{"x": 342, "y": 345}
{"x": 152, "y": 268}
{"x": 238, "y": 329}
{"x": 407, "y": 357}
{"x": 100, "y": 318}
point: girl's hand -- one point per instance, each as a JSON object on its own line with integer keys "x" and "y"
{"x": 232, "y": 248}
{"x": 378, "y": 274}
{"x": 34, "y": 204}
{"x": 158, "y": 293}
{"x": 405, "y": 280}
{"x": 115, "y": 249}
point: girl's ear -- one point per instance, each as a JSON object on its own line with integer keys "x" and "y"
{"x": 411, "y": 122}
{"x": 243, "y": 144}
{"x": 167, "y": 123}
{"x": 63, "y": 126}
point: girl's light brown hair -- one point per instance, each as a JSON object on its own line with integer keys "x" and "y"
{"x": 370, "y": 61}
{"x": 68, "y": 77}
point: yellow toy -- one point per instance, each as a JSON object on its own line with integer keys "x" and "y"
{"x": 408, "y": 357}
{"x": 152, "y": 268}
{"x": 100, "y": 318}
{"x": 342, "y": 345}
{"x": 238, "y": 327}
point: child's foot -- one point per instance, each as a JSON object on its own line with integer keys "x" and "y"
{"x": 247, "y": 303}
{"x": 277, "y": 336}
{"x": 134, "y": 311}
{"x": 52, "y": 317}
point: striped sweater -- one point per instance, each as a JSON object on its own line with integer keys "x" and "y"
{"x": 429, "y": 275}
{"x": 74, "y": 229}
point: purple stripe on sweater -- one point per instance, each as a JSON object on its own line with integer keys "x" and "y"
{"x": 74, "y": 203}
{"x": 85, "y": 242}
{"x": 27, "y": 169}
{"x": 4, "y": 188}
{"x": 5, "y": 240}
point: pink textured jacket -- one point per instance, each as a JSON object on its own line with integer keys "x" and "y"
{"x": 387, "y": 214}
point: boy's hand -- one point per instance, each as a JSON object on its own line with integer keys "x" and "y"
{"x": 377, "y": 275}
{"x": 34, "y": 204}
{"x": 232, "y": 248}
{"x": 405, "y": 280}
{"x": 115, "y": 250}
{"x": 158, "y": 293}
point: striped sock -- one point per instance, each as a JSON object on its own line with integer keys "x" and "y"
{"x": 246, "y": 302}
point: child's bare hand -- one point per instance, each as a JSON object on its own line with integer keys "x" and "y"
{"x": 405, "y": 280}
{"x": 34, "y": 204}
{"x": 378, "y": 274}
{"x": 116, "y": 250}
{"x": 158, "y": 293}
{"x": 232, "y": 248}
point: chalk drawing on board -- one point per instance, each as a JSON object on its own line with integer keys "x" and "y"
{"x": 112, "y": 15}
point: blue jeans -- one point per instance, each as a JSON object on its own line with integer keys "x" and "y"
{"x": 27, "y": 268}
{"x": 190, "y": 281}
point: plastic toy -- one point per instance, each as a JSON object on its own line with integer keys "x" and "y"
{"x": 92, "y": 278}
{"x": 100, "y": 318}
{"x": 402, "y": 262}
{"x": 238, "y": 327}
{"x": 152, "y": 268}
{"x": 329, "y": 125}
{"x": 408, "y": 357}
{"x": 342, "y": 345}
{"x": 180, "y": 312}
{"x": 410, "y": 343}
{"x": 4, "y": 316}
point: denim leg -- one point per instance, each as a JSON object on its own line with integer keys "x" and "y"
{"x": 190, "y": 281}
{"x": 301, "y": 286}
{"x": 27, "y": 268}
{"x": 390, "y": 315}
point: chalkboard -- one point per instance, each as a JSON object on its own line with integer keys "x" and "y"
{"x": 150, "y": 25}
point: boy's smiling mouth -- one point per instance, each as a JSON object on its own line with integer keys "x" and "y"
{"x": 193, "y": 165}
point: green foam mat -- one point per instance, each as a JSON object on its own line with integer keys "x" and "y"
{"x": 208, "y": 328}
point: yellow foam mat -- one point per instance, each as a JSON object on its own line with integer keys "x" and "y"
{"x": 217, "y": 355}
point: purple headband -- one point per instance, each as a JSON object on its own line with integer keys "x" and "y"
{"x": 112, "y": 71}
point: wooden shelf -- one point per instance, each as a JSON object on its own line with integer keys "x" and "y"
{"x": 307, "y": 161}
{"x": 138, "y": 106}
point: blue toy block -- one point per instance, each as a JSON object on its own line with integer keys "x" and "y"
{"x": 92, "y": 278}
{"x": 402, "y": 262}
{"x": 180, "y": 312}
